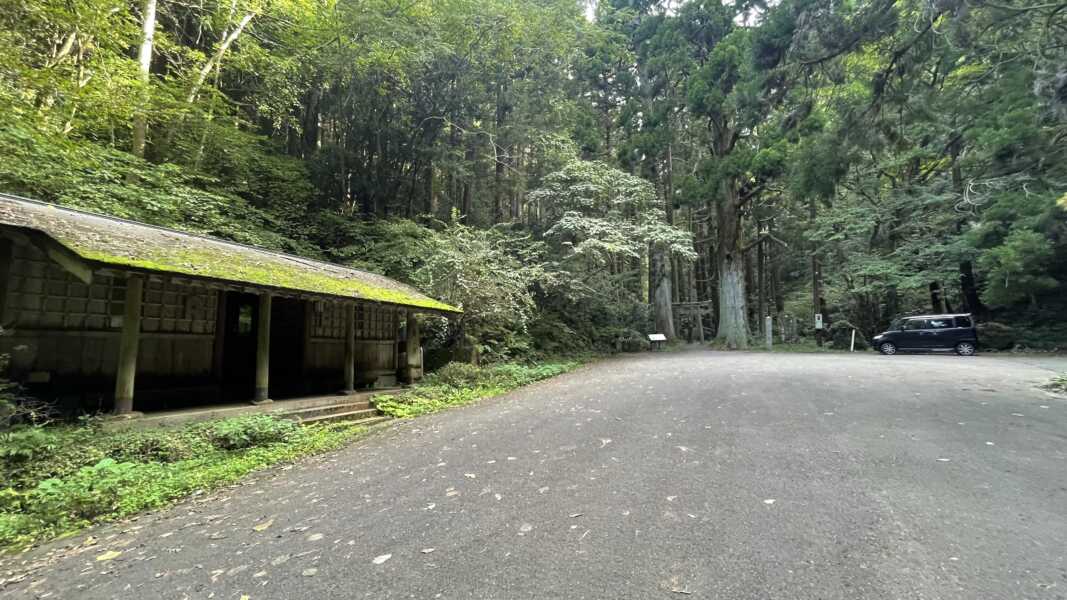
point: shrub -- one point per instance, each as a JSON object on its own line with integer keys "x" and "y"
{"x": 457, "y": 384}
{"x": 256, "y": 430}
{"x": 80, "y": 475}
{"x": 89, "y": 493}
{"x": 996, "y": 336}
{"x": 158, "y": 445}
{"x": 455, "y": 374}
{"x": 1057, "y": 384}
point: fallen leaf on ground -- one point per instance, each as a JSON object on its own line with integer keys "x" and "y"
{"x": 380, "y": 559}
{"x": 110, "y": 554}
{"x": 264, "y": 525}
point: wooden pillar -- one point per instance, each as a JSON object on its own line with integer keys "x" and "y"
{"x": 128, "y": 345}
{"x": 350, "y": 349}
{"x": 263, "y": 351}
{"x": 413, "y": 370}
{"x": 218, "y": 347}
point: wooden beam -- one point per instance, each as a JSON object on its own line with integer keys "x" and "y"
{"x": 262, "y": 393}
{"x": 128, "y": 345}
{"x": 60, "y": 254}
{"x": 350, "y": 348}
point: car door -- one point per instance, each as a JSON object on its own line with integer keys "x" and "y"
{"x": 909, "y": 336}
{"x": 937, "y": 333}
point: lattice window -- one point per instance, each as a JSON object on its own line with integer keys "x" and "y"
{"x": 328, "y": 320}
{"x": 170, "y": 307}
{"x": 375, "y": 323}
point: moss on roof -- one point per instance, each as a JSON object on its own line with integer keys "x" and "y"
{"x": 120, "y": 243}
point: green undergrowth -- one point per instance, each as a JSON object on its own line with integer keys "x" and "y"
{"x": 1057, "y": 384}
{"x": 457, "y": 384}
{"x": 60, "y": 479}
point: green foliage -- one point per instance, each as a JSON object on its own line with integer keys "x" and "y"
{"x": 1018, "y": 268}
{"x": 1057, "y": 384}
{"x": 63, "y": 478}
{"x": 256, "y": 430}
{"x": 457, "y": 384}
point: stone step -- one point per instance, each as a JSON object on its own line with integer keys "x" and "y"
{"x": 304, "y": 414}
{"x": 356, "y": 417}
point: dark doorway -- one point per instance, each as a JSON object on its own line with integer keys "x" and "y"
{"x": 239, "y": 346}
{"x": 287, "y": 323}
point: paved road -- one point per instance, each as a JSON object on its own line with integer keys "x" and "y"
{"x": 697, "y": 474}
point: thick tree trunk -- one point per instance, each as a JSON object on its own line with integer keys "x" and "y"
{"x": 144, "y": 60}
{"x": 733, "y": 324}
{"x": 969, "y": 289}
{"x": 761, "y": 285}
{"x": 661, "y": 292}
{"x": 937, "y": 300}
{"x": 816, "y": 276}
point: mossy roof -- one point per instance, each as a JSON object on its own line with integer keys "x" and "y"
{"x": 107, "y": 241}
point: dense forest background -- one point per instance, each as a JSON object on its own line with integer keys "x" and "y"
{"x": 566, "y": 171}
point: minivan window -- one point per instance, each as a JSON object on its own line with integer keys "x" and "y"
{"x": 939, "y": 323}
{"x": 963, "y": 322}
{"x": 911, "y": 325}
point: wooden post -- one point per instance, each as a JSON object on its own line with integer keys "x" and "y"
{"x": 412, "y": 347}
{"x": 128, "y": 345}
{"x": 262, "y": 395}
{"x": 350, "y": 349}
{"x": 219, "y": 345}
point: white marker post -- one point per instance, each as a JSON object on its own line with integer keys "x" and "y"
{"x": 767, "y": 327}
{"x": 853, "y": 347}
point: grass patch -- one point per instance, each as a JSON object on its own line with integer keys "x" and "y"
{"x": 58, "y": 480}
{"x": 1057, "y": 384}
{"x": 457, "y": 384}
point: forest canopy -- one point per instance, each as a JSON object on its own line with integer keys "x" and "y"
{"x": 567, "y": 171}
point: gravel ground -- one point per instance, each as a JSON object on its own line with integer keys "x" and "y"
{"x": 700, "y": 474}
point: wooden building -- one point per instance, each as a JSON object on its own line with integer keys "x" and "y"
{"x": 103, "y": 313}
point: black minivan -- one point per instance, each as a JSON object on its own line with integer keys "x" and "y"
{"x": 929, "y": 333}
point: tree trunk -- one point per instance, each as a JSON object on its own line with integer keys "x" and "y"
{"x": 937, "y": 300}
{"x": 216, "y": 58}
{"x": 733, "y": 324}
{"x": 469, "y": 158}
{"x": 969, "y": 289}
{"x": 661, "y": 292}
{"x": 761, "y": 284}
{"x": 816, "y": 276}
{"x": 144, "y": 60}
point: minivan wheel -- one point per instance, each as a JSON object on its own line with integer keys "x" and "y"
{"x": 887, "y": 348}
{"x": 965, "y": 349}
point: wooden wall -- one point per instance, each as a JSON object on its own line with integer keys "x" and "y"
{"x": 376, "y": 338}
{"x": 65, "y": 330}
{"x": 64, "y": 327}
